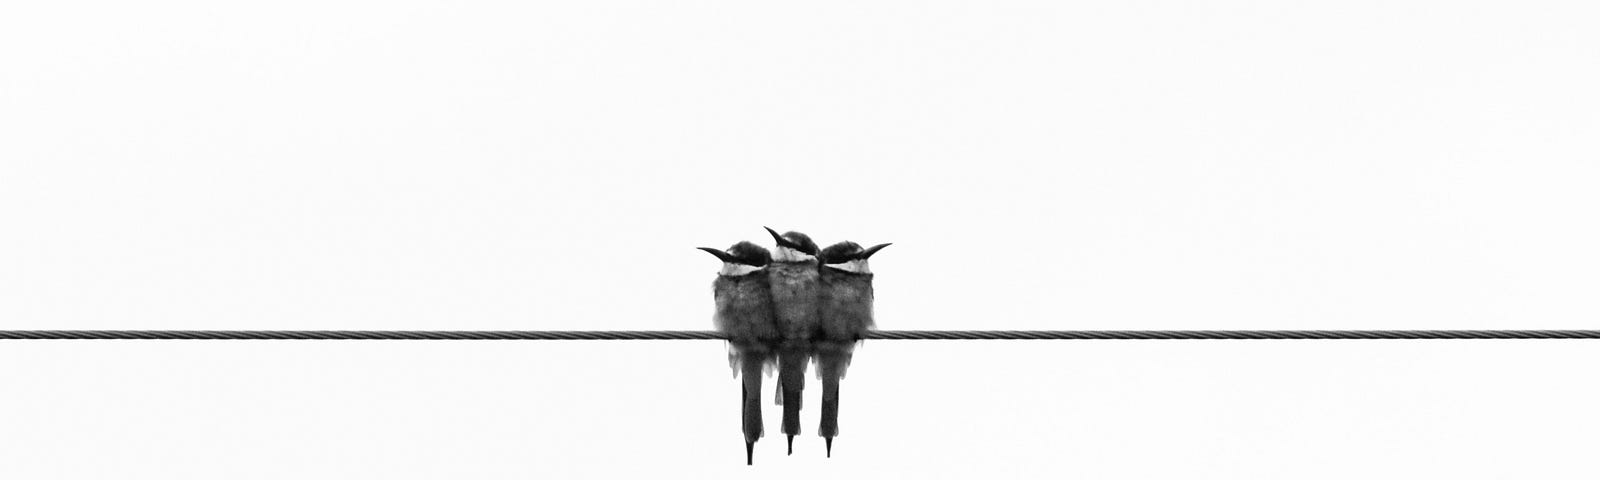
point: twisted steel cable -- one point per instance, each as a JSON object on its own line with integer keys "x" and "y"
{"x": 874, "y": 335}
{"x": 1232, "y": 334}
{"x": 356, "y": 335}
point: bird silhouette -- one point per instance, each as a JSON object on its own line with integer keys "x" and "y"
{"x": 745, "y": 314}
{"x": 846, "y": 310}
{"x": 795, "y": 299}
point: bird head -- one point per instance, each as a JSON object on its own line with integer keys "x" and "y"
{"x": 793, "y": 246}
{"x": 849, "y": 256}
{"x": 741, "y": 258}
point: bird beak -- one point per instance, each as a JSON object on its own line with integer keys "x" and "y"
{"x": 782, "y": 242}
{"x": 868, "y": 252}
{"x": 721, "y": 255}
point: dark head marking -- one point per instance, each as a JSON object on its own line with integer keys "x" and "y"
{"x": 795, "y": 240}
{"x": 743, "y": 253}
{"x": 750, "y": 254}
{"x": 840, "y": 252}
{"x": 846, "y": 251}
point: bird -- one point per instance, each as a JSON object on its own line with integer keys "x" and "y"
{"x": 744, "y": 313}
{"x": 846, "y": 317}
{"x": 795, "y": 299}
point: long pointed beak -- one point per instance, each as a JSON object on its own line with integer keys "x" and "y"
{"x": 721, "y": 255}
{"x": 868, "y": 252}
{"x": 782, "y": 242}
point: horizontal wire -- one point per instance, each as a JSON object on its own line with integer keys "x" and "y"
{"x": 872, "y": 335}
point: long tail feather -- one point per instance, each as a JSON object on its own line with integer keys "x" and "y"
{"x": 792, "y": 377}
{"x": 753, "y": 426}
{"x": 832, "y": 361}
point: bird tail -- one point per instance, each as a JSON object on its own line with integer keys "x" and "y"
{"x": 792, "y": 384}
{"x": 833, "y": 358}
{"x": 751, "y": 368}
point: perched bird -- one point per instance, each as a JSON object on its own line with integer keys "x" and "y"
{"x": 745, "y": 315}
{"x": 795, "y": 299}
{"x": 846, "y": 317}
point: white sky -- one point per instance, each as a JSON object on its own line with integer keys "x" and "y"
{"x": 1040, "y": 165}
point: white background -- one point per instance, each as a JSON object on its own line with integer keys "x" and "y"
{"x": 1039, "y": 165}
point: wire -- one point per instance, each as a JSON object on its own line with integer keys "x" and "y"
{"x": 873, "y": 335}
{"x": 356, "y": 335}
{"x": 1231, "y": 334}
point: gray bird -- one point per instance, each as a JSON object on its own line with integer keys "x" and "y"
{"x": 795, "y": 299}
{"x": 745, "y": 315}
{"x": 846, "y": 317}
